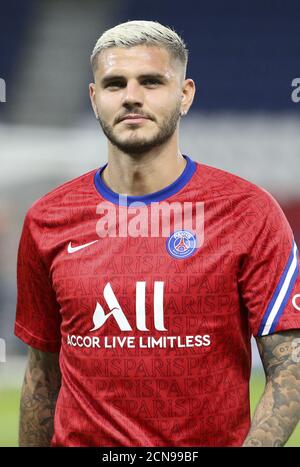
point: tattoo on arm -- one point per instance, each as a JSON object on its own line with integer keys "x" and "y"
{"x": 278, "y": 411}
{"x": 38, "y": 398}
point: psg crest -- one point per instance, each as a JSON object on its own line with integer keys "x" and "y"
{"x": 181, "y": 244}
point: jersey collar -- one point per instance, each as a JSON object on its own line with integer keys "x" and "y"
{"x": 160, "y": 195}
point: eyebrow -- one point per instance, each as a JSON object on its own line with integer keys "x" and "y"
{"x": 157, "y": 76}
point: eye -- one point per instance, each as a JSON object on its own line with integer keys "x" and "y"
{"x": 115, "y": 84}
{"x": 151, "y": 82}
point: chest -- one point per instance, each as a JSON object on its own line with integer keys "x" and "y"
{"x": 173, "y": 281}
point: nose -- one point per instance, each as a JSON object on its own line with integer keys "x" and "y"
{"x": 133, "y": 94}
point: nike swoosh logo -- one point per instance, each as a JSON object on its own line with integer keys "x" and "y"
{"x": 73, "y": 249}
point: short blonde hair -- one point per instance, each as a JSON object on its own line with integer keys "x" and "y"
{"x": 133, "y": 33}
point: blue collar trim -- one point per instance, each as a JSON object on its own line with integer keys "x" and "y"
{"x": 160, "y": 195}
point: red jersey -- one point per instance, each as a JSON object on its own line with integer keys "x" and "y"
{"x": 151, "y": 302}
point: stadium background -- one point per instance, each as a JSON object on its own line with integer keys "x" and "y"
{"x": 243, "y": 58}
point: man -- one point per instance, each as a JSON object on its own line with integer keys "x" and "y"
{"x": 140, "y": 284}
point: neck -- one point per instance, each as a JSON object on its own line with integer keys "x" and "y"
{"x": 138, "y": 175}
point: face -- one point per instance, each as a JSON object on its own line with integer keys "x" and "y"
{"x": 143, "y": 84}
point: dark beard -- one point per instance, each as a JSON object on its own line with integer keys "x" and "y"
{"x": 143, "y": 145}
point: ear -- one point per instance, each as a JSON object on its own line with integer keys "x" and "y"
{"x": 92, "y": 90}
{"x": 188, "y": 93}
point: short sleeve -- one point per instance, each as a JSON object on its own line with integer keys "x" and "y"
{"x": 269, "y": 274}
{"x": 38, "y": 316}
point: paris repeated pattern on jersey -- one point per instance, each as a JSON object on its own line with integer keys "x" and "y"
{"x": 154, "y": 330}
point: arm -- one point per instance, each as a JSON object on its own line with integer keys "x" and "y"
{"x": 278, "y": 411}
{"x": 38, "y": 398}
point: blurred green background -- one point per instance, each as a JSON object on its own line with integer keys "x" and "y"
{"x": 9, "y": 407}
